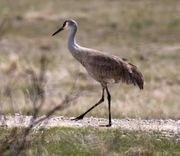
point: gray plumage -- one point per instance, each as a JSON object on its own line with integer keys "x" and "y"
{"x": 103, "y": 67}
{"x": 111, "y": 69}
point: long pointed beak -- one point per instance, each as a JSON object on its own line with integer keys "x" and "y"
{"x": 60, "y": 29}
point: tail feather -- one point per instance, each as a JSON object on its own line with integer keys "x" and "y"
{"x": 135, "y": 76}
{"x": 129, "y": 73}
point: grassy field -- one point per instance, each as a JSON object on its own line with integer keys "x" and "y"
{"x": 97, "y": 142}
{"x": 147, "y": 32}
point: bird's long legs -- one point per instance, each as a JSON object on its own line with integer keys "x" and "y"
{"x": 99, "y": 102}
{"x": 109, "y": 106}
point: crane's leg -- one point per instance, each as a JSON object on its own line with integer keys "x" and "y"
{"x": 99, "y": 102}
{"x": 109, "y": 107}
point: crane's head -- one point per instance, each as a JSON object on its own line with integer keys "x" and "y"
{"x": 66, "y": 24}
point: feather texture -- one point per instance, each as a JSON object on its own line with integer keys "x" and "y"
{"x": 111, "y": 69}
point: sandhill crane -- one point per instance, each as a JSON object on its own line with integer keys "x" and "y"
{"x": 103, "y": 67}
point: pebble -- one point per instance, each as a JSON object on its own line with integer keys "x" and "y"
{"x": 168, "y": 126}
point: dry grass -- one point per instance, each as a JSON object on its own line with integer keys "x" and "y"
{"x": 145, "y": 32}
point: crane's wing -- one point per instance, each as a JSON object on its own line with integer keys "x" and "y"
{"x": 105, "y": 67}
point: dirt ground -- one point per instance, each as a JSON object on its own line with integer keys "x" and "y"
{"x": 144, "y": 32}
{"x": 168, "y": 127}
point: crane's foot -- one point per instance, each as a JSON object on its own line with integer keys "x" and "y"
{"x": 78, "y": 118}
{"x": 108, "y": 125}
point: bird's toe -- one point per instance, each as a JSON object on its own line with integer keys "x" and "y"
{"x": 108, "y": 125}
{"x": 78, "y": 118}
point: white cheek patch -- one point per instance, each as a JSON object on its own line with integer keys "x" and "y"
{"x": 66, "y": 25}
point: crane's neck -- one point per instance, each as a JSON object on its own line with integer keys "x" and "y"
{"x": 72, "y": 40}
{"x": 76, "y": 50}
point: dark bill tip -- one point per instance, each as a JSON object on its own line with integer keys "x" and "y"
{"x": 58, "y": 31}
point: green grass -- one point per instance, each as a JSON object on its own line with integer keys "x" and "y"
{"x": 91, "y": 141}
